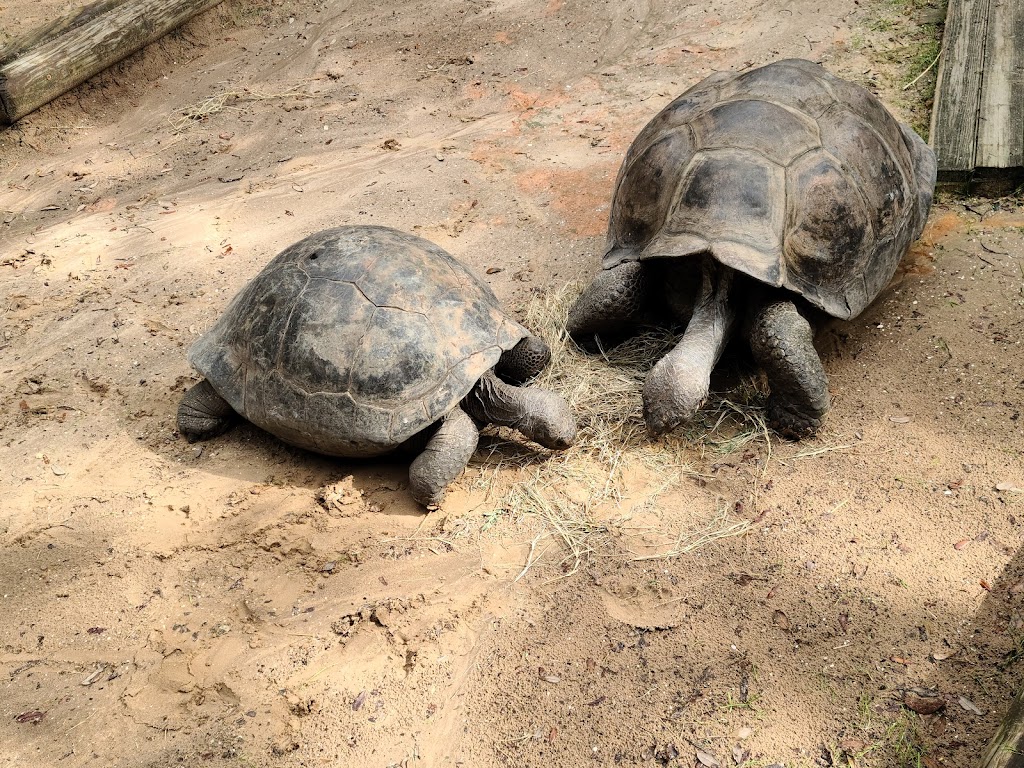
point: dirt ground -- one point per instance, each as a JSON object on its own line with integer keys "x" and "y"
{"x": 716, "y": 599}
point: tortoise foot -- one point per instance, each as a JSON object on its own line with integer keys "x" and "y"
{"x": 791, "y": 423}
{"x": 782, "y": 342}
{"x": 203, "y": 413}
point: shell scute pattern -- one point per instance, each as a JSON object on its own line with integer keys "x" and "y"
{"x": 828, "y": 218}
{"x": 396, "y": 358}
{"x": 860, "y": 101}
{"x": 781, "y": 134}
{"x": 786, "y": 173}
{"x": 791, "y": 82}
{"x": 421, "y": 274}
{"x": 336, "y": 256}
{"x": 734, "y": 200}
{"x": 876, "y": 171}
{"x": 353, "y": 340}
{"x": 646, "y": 186}
{"x": 678, "y": 113}
{"x": 230, "y": 350}
{"x": 325, "y": 328}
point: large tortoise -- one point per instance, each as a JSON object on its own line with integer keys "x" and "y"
{"x": 749, "y": 202}
{"x": 358, "y": 341}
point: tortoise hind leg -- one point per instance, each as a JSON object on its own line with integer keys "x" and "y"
{"x": 444, "y": 458}
{"x": 524, "y": 361}
{"x": 203, "y": 413}
{"x": 782, "y": 343}
{"x": 612, "y": 304}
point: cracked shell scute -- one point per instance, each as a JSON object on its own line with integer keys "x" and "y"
{"x": 784, "y": 172}
{"x": 353, "y": 340}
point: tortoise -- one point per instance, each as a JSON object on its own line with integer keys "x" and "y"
{"x": 358, "y": 341}
{"x": 751, "y": 205}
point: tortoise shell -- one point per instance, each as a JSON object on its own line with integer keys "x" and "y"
{"x": 786, "y": 173}
{"x": 353, "y": 340}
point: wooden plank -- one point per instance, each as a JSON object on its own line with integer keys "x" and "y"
{"x": 71, "y": 51}
{"x": 1000, "y": 150}
{"x": 954, "y": 129}
{"x": 1001, "y": 124}
{"x": 53, "y": 29}
{"x": 1006, "y": 750}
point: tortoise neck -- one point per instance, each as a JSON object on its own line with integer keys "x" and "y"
{"x": 492, "y": 401}
{"x": 540, "y": 415}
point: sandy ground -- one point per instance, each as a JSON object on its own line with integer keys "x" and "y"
{"x": 718, "y": 599}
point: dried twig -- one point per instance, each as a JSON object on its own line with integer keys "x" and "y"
{"x": 925, "y": 71}
{"x": 221, "y": 101}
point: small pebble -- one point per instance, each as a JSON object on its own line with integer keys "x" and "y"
{"x": 923, "y": 701}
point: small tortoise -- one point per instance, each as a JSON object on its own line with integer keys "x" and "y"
{"x": 358, "y": 341}
{"x": 746, "y": 203}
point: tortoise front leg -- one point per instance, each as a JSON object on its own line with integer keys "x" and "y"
{"x": 203, "y": 413}
{"x": 782, "y": 343}
{"x": 678, "y": 384}
{"x": 614, "y": 302}
{"x": 444, "y": 458}
{"x": 524, "y": 362}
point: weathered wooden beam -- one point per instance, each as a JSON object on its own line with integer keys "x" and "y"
{"x": 1006, "y": 750}
{"x": 954, "y": 129}
{"x": 45, "y": 64}
{"x": 1000, "y": 151}
{"x": 45, "y": 33}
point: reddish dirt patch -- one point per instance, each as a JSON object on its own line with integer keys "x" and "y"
{"x": 581, "y": 196}
{"x": 521, "y": 100}
{"x": 921, "y": 258}
{"x": 940, "y": 226}
{"x": 475, "y": 91}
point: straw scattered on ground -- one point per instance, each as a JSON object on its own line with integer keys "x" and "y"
{"x": 218, "y": 102}
{"x": 582, "y": 495}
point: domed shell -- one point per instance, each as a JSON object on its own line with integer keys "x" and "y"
{"x": 353, "y": 340}
{"x": 786, "y": 173}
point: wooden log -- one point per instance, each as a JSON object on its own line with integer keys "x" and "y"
{"x": 44, "y": 34}
{"x": 1006, "y": 750}
{"x": 954, "y": 129}
{"x": 958, "y": 88}
{"x": 45, "y": 64}
{"x": 1000, "y": 150}
{"x": 978, "y": 118}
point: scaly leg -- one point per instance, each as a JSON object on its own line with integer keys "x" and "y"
{"x": 541, "y": 415}
{"x": 613, "y": 303}
{"x": 444, "y": 458}
{"x": 203, "y": 413}
{"x": 678, "y": 384}
{"x": 782, "y": 343}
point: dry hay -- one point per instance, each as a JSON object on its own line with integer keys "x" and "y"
{"x": 226, "y": 100}
{"x": 580, "y": 495}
